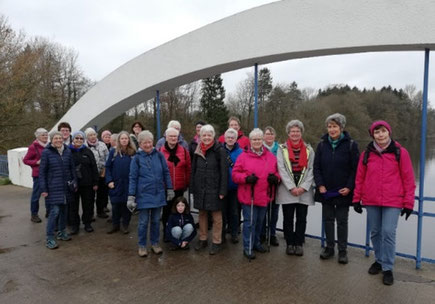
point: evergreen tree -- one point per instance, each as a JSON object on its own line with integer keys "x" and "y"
{"x": 264, "y": 85}
{"x": 212, "y": 105}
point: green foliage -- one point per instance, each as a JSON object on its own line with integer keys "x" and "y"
{"x": 212, "y": 106}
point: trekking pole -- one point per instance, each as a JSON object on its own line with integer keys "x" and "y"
{"x": 252, "y": 215}
{"x": 269, "y": 217}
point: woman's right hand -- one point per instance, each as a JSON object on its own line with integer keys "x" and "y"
{"x": 44, "y": 194}
{"x": 111, "y": 185}
{"x": 322, "y": 189}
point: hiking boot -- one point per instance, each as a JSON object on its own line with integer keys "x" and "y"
{"x": 375, "y": 268}
{"x": 35, "y": 218}
{"x": 234, "y": 239}
{"x": 125, "y": 230}
{"x": 102, "y": 215}
{"x": 342, "y": 257}
{"x": 290, "y": 250}
{"x": 327, "y": 253}
{"x": 201, "y": 244}
{"x": 143, "y": 252}
{"x": 388, "y": 278}
{"x": 214, "y": 248}
{"x": 51, "y": 244}
{"x": 299, "y": 250}
{"x": 74, "y": 230}
{"x": 63, "y": 236}
{"x": 113, "y": 230}
{"x": 274, "y": 241}
{"x": 260, "y": 249}
{"x": 249, "y": 256}
{"x": 157, "y": 249}
{"x": 88, "y": 228}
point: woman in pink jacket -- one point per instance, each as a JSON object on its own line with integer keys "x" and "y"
{"x": 255, "y": 172}
{"x": 33, "y": 159}
{"x": 385, "y": 186}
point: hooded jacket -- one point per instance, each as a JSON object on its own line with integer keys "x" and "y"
{"x": 385, "y": 181}
{"x": 148, "y": 179}
{"x": 262, "y": 165}
{"x": 32, "y": 156}
{"x": 180, "y": 174}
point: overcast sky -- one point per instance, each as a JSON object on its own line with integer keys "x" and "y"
{"x": 107, "y": 33}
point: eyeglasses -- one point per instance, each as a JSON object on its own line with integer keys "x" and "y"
{"x": 79, "y": 138}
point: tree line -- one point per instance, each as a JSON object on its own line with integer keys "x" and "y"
{"x": 40, "y": 80}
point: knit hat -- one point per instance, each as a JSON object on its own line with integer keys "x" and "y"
{"x": 106, "y": 132}
{"x": 78, "y": 133}
{"x": 377, "y": 124}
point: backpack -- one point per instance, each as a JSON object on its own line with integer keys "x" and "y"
{"x": 367, "y": 152}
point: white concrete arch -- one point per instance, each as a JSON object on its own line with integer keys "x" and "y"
{"x": 274, "y": 32}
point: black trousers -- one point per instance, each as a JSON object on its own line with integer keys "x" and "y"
{"x": 295, "y": 233}
{"x": 120, "y": 212}
{"x": 336, "y": 211}
{"x": 102, "y": 195}
{"x": 230, "y": 213}
{"x": 86, "y": 195}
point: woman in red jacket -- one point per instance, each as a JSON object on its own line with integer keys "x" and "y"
{"x": 33, "y": 159}
{"x": 255, "y": 172}
{"x": 178, "y": 160}
{"x": 385, "y": 186}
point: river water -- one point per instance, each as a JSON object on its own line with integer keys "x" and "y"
{"x": 407, "y": 230}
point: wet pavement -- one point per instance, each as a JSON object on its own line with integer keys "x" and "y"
{"x": 101, "y": 268}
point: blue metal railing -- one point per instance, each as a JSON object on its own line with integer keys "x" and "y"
{"x": 4, "y": 171}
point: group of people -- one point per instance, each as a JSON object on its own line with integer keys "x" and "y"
{"x": 227, "y": 178}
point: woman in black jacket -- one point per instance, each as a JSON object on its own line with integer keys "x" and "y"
{"x": 335, "y": 164}
{"x": 87, "y": 175}
{"x": 208, "y": 183}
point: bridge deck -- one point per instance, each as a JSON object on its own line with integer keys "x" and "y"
{"x": 102, "y": 268}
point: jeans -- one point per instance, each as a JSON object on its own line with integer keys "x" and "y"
{"x": 182, "y": 233}
{"x": 383, "y": 224}
{"x": 330, "y": 212}
{"x": 230, "y": 213}
{"x": 273, "y": 219}
{"x": 142, "y": 227}
{"x": 295, "y": 236}
{"x": 56, "y": 218}
{"x": 85, "y": 193}
{"x": 120, "y": 211}
{"x": 168, "y": 208}
{"x": 253, "y": 231}
{"x": 34, "y": 200}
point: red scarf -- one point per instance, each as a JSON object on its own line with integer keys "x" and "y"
{"x": 204, "y": 148}
{"x": 303, "y": 159}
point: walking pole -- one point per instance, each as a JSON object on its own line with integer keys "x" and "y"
{"x": 252, "y": 213}
{"x": 269, "y": 216}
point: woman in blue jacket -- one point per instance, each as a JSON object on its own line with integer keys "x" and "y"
{"x": 117, "y": 174}
{"x": 335, "y": 164}
{"x": 230, "y": 207}
{"x": 57, "y": 181}
{"x": 149, "y": 180}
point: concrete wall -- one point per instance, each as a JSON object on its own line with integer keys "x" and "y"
{"x": 19, "y": 173}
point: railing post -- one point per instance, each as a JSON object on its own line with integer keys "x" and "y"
{"x": 158, "y": 114}
{"x": 422, "y": 157}
{"x": 256, "y": 96}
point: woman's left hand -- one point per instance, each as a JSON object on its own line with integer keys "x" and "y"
{"x": 344, "y": 191}
{"x": 221, "y": 196}
{"x": 95, "y": 188}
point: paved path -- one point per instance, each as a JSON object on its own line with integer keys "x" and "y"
{"x": 101, "y": 268}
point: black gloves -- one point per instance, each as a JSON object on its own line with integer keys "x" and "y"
{"x": 272, "y": 179}
{"x": 357, "y": 207}
{"x": 251, "y": 179}
{"x": 407, "y": 212}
